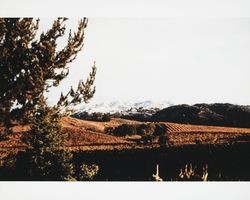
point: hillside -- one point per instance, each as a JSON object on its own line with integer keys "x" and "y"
{"x": 217, "y": 114}
{"x": 84, "y": 135}
{"x": 206, "y": 114}
{"x": 89, "y": 136}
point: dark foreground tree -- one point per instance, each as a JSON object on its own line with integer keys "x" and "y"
{"x": 46, "y": 157}
{"x": 29, "y": 67}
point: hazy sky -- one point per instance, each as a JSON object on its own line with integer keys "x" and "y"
{"x": 184, "y": 60}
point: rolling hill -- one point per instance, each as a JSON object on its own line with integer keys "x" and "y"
{"x": 217, "y": 114}
{"x": 89, "y": 136}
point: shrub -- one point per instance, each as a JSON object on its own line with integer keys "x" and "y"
{"x": 96, "y": 116}
{"x": 88, "y": 172}
{"x": 147, "y": 139}
{"x": 4, "y": 134}
{"x": 146, "y": 129}
{"x": 160, "y": 129}
{"x": 163, "y": 140}
{"x": 7, "y": 167}
{"x": 109, "y": 130}
{"x": 106, "y": 117}
{"x": 125, "y": 129}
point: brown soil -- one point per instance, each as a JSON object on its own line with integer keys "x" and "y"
{"x": 89, "y": 136}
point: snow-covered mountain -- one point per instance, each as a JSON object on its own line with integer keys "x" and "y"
{"x": 121, "y": 107}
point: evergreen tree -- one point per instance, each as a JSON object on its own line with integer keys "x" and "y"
{"x": 29, "y": 67}
{"x": 46, "y": 156}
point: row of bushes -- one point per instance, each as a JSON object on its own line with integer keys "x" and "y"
{"x": 153, "y": 129}
{"x": 96, "y": 116}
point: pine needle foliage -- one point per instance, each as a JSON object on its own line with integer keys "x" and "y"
{"x": 48, "y": 158}
{"x": 29, "y": 67}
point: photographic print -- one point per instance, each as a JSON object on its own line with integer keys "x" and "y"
{"x": 164, "y": 99}
{"x": 124, "y": 99}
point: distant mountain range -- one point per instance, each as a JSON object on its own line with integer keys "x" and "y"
{"x": 217, "y": 114}
{"x": 123, "y": 107}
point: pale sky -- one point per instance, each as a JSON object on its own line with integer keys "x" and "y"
{"x": 182, "y": 60}
{"x": 183, "y": 51}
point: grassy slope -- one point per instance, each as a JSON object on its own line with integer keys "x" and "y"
{"x": 89, "y": 135}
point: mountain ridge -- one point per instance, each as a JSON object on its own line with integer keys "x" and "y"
{"x": 123, "y": 107}
{"x": 215, "y": 114}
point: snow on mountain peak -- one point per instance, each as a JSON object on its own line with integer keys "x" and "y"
{"x": 117, "y": 106}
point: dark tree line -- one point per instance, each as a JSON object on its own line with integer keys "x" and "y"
{"x": 96, "y": 116}
{"x": 147, "y": 131}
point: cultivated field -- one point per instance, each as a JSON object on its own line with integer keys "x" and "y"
{"x": 89, "y": 136}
